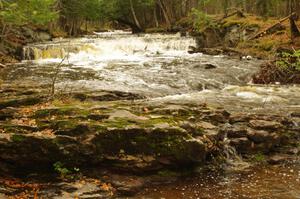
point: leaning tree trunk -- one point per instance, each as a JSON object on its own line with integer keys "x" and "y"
{"x": 294, "y": 29}
{"x": 168, "y": 21}
{"x": 134, "y": 16}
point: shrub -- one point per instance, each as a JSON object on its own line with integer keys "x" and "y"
{"x": 201, "y": 20}
{"x": 289, "y": 60}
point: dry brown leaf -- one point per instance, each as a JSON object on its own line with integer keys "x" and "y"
{"x": 106, "y": 187}
{"x": 24, "y": 122}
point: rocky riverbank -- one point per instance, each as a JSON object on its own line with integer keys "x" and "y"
{"x": 11, "y": 48}
{"x": 80, "y": 134}
{"x": 235, "y": 36}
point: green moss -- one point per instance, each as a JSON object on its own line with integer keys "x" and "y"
{"x": 259, "y": 157}
{"x": 61, "y": 111}
{"x": 118, "y": 123}
{"x": 64, "y": 124}
{"x": 12, "y": 128}
{"x": 20, "y": 102}
{"x": 18, "y": 138}
{"x": 155, "y": 121}
{"x": 266, "y": 45}
{"x": 42, "y": 113}
{"x": 240, "y": 22}
{"x": 199, "y": 132}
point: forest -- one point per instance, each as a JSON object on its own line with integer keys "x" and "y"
{"x": 168, "y": 99}
{"x": 71, "y": 15}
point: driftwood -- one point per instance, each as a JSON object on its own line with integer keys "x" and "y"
{"x": 268, "y": 30}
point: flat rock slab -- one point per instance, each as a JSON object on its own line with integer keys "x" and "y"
{"x": 265, "y": 125}
{"x": 127, "y": 135}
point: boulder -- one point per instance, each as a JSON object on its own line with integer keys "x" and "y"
{"x": 126, "y": 148}
{"x": 43, "y": 36}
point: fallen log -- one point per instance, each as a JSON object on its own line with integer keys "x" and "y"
{"x": 239, "y": 13}
{"x": 268, "y": 30}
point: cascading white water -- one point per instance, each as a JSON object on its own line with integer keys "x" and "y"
{"x": 157, "y": 66}
{"x": 105, "y": 48}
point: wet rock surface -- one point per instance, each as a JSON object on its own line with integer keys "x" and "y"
{"x": 99, "y": 131}
{"x": 132, "y": 136}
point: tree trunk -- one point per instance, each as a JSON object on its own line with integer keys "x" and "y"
{"x": 86, "y": 26}
{"x": 134, "y": 15}
{"x": 155, "y": 17}
{"x": 168, "y": 21}
{"x": 294, "y": 29}
{"x": 133, "y": 26}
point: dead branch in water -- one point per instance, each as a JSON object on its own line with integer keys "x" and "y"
{"x": 55, "y": 76}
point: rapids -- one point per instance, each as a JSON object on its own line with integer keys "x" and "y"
{"x": 154, "y": 65}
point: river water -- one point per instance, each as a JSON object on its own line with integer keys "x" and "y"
{"x": 156, "y": 66}
{"x": 159, "y": 67}
{"x": 271, "y": 182}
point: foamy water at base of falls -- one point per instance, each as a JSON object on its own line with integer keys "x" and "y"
{"x": 157, "y": 66}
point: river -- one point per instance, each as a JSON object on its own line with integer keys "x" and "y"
{"x": 160, "y": 68}
{"x": 154, "y": 65}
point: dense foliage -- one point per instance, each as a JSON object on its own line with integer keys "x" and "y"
{"x": 22, "y": 12}
{"x": 290, "y": 60}
{"x": 72, "y": 15}
{"x": 29, "y": 12}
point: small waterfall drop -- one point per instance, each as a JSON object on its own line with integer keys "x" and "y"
{"x": 104, "y": 47}
{"x": 234, "y": 162}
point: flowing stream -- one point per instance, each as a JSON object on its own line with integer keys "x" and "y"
{"x": 159, "y": 67}
{"x": 154, "y": 65}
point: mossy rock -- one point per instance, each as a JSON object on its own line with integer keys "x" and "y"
{"x": 172, "y": 143}
{"x": 28, "y": 101}
{"x": 13, "y": 128}
{"x": 60, "y": 111}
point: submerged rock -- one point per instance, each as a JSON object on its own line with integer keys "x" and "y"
{"x": 210, "y": 66}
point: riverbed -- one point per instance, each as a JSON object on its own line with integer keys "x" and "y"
{"x": 159, "y": 68}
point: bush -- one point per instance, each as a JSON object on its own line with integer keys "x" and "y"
{"x": 201, "y": 20}
{"x": 289, "y": 60}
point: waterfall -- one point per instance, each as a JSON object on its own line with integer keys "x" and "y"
{"x": 105, "y": 46}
